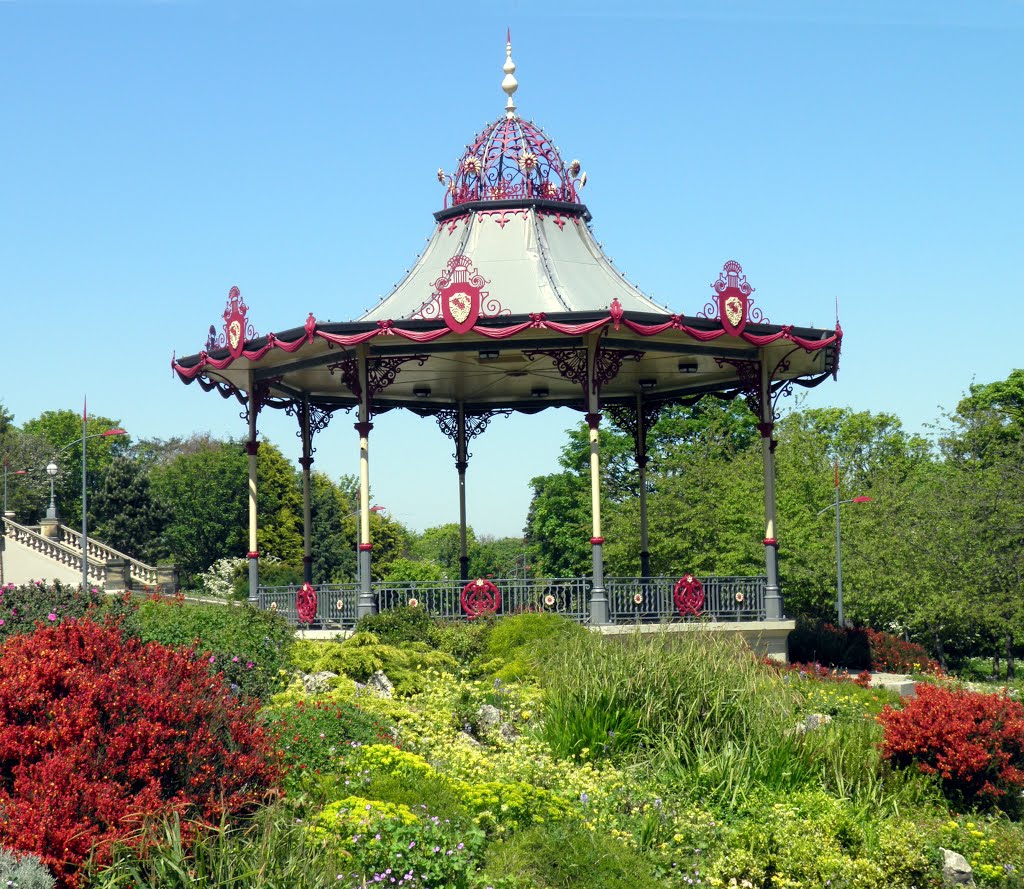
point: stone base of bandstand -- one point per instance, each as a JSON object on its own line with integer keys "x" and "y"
{"x": 767, "y": 638}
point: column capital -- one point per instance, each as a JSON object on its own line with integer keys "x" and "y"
{"x": 766, "y": 429}
{"x": 363, "y": 429}
{"x": 593, "y": 420}
{"x": 252, "y": 448}
{"x": 305, "y": 462}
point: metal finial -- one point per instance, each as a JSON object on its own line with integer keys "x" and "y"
{"x": 509, "y": 84}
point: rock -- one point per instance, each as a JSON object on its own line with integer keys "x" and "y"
{"x": 488, "y": 717}
{"x": 468, "y": 738}
{"x": 318, "y": 683}
{"x": 507, "y": 731}
{"x": 955, "y": 869}
{"x": 380, "y": 685}
{"x": 812, "y": 721}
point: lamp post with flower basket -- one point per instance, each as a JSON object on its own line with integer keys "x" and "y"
{"x": 839, "y": 552}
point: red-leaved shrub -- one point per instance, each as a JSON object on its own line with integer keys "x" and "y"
{"x": 895, "y": 655}
{"x": 98, "y": 729}
{"x": 974, "y": 742}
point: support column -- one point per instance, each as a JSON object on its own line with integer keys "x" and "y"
{"x": 461, "y": 464}
{"x": 252, "y": 447}
{"x": 598, "y": 597}
{"x": 641, "y": 465}
{"x": 365, "y": 602}
{"x": 772, "y": 593}
{"x": 306, "y": 462}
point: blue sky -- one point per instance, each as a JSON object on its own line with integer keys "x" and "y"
{"x": 156, "y": 153}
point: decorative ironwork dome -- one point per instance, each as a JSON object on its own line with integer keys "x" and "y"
{"x": 512, "y": 159}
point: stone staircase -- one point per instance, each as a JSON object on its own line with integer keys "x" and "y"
{"x": 28, "y": 554}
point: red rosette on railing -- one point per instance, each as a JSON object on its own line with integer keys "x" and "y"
{"x": 305, "y": 603}
{"x": 688, "y": 595}
{"x": 480, "y": 597}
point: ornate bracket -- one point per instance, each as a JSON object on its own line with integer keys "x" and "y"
{"x": 381, "y": 372}
{"x": 476, "y": 423}
{"x": 260, "y": 398}
{"x": 749, "y": 373}
{"x": 571, "y": 364}
{"x": 316, "y": 419}
{"x": 631, "y": 420}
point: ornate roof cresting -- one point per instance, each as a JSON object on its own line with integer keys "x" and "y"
{"x": 512, "y": 159}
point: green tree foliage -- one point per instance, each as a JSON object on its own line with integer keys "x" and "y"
{"x": 122, "y": 512}
{"x": 203, "y": 494}
{"x": 279, "y": 505}
{"x": 334, "y": 555}
{"x": 61, "y": 430}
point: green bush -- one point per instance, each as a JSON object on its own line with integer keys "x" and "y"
{"x": 398, "y": 624}
{"x": 39, "y": 602}
{"x": 363, "y": 654}
{"x": 566, "y": 856}
{"x": 249, "y": 646}
{"x": 313, "y": 735}
{"x": 517, "y": 643}
{"x": 23, "y": 872}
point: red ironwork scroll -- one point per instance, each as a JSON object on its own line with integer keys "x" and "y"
{"x": 480, "y": 597}
{"x": 688, "y": 595}
{"x": 305, "y": 603}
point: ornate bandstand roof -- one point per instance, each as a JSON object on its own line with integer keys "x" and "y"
{"x": 496, "y": 312}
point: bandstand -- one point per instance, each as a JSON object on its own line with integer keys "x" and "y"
{"x": 513, "y": 307}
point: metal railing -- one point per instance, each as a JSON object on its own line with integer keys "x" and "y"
{"x": 649, "y": 600}
{"x": 630, "y": 599}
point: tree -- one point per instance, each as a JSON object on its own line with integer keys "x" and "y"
{"x": 442, "y": 546}
{"x": 279, "y": 506}
{"x": 62, "y": 432}
{"x": 122, "y": 512}
{"x": 203, "y": 495}
{"x": 334, "y": 557}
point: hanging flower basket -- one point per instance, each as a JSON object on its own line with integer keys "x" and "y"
{"x": 480, "y": 597}
{"x": 688, "y": 596}
{"x": 305, "y": 604}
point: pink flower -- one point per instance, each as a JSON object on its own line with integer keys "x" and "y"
{"x": 234, "y": 660}
{"x": 212, "y": 658}
{"x": 2, "y": 621}
{"x": 51, "y": 616}
{"x": 249, "y": 665}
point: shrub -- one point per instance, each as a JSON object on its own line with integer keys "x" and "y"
{"x": 973, "y": 742}
{"x": 563, "y": 856}
{"x": 824, "y": 643}
{"x": 249, "y": 646}
{"x": 122, "y": 728}
{"x": 391, "y": 844}
{"x": 895, "y": 655}
{"x": 517, "y": 641}
{"x": 313, "y": 734}
{"x": 38, "y": 602}
{"x": 363, "y": 654}
{"x": 398, "y": 624}
{"x": 24, "y": 872}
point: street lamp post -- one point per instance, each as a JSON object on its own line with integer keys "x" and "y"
{"x": 839, "y": 549}
{"x": 51, "y": 470}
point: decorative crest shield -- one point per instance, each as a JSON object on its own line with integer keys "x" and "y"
{"x": 237, "y": 327}
{"x": 460, "y": 290}
{"x": 733, "y": 298}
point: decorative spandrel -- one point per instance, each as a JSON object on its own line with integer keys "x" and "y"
{"x": 381, "y": 372}
{"x": 475, "y": 424}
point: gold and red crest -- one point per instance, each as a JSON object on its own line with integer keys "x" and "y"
{"x": 733, "y": 298}
{"x": 460, "y": 291}
{"x": 237, "y": 328}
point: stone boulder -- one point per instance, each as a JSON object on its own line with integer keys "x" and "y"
{"x": 955, "y": 869}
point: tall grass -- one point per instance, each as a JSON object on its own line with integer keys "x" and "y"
{"x": 701, "y": 711}
{"x": 273, "y": 850}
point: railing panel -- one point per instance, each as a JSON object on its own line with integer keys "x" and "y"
{"x": 650, "y": 600}
{"x": 336, "y": 603}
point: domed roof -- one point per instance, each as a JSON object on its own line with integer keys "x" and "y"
{"x": 512, "y": 159}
